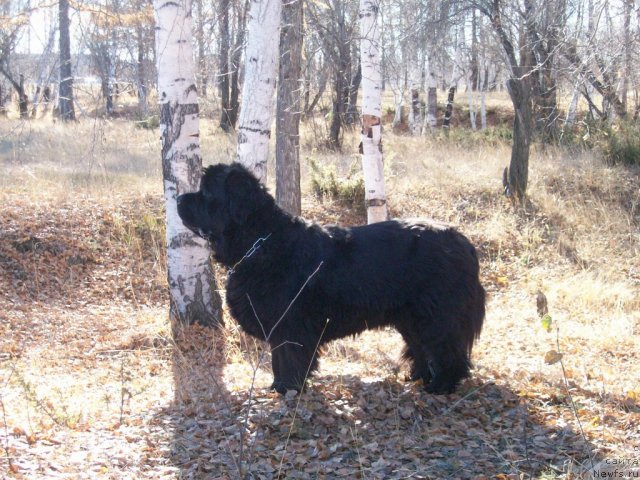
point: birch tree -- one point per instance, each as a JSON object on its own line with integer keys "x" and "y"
{"x": 194, "y": 297}
{"x": 67, "y": 111}
{"x": 261, "y": 71}
{"x": 372, "y": 166}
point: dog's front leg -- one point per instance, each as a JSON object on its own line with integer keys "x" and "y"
{"x": 291, "y": 362}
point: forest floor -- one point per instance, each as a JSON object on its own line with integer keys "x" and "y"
{"x": 95, "y": 383}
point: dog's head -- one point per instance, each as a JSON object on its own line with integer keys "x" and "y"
{"x": 229, "y": 196}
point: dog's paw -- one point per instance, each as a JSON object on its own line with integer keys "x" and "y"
{"x": 284, "y": 389}
{"x": 436, "y": 387}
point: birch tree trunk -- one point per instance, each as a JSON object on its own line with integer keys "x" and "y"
{"x": 448, "y": 113}
{"x": 261, "y": 71}
{"x": 67, "y": 111}
{"x": 372, "y": 165}
{"x": 194, "y": 297}
{"x": 225, "y": 74}
{"x": 431, "y": 114}
{"x": 288, "y": 109}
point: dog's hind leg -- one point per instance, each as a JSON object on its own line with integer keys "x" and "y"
{"x": 414, "y": 353}
{"x": 448, "y": 361}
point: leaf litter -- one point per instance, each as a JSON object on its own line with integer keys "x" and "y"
{"x": 95, "y": 383}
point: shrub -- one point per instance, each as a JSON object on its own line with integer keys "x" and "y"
{"x": 326, "y": 183}
{"x": 622, "y": 144}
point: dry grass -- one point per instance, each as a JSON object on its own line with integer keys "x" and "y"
{"x": 93, "y": 383}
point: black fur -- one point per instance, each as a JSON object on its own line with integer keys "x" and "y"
{"x": 418, "y": 276}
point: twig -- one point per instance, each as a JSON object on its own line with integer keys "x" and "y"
{"x": 525, "y": 435}
{"x": 573, "y": 405}
{"x": 294, "y": 299}
{"x": 6, "y": 434}
{"x": 457, "y": 402}
{"x": 4, "y": 422}
{"x": 261, "y": 358}
{"x": 295, "y": 411}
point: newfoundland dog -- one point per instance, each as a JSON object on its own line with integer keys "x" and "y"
{"x": 298, "y": 285}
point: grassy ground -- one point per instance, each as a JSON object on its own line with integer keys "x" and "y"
{"x": 94, "y": 384}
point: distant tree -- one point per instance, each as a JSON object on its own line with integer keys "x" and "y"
{"x": 371, "y": 138}
{"x": 65, "y": 97}
{"x": 102, "y": 43}
{"x": 11, "y": 26}
{"x": 516, "y": 48}
{"x": 288, "y": 108}
{"x": 334, "y": 23}
{"x": 261, "y": 71}
{"x": 192, "y": 285}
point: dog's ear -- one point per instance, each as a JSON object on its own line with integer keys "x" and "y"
{"x": 241, "y": 189}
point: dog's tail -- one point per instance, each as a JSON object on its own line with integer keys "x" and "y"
{"x": 476, "y": 308}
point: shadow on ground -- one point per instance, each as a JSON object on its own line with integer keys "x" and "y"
{"x": 342, "y": 426}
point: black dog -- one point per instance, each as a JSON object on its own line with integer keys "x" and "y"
{"x": 299, "y": 285}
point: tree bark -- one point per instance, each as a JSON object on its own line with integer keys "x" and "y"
{"x": 340, "y": 91}
{"x": 236, "y": 56}
{"x": 65, "y": 98}
{"x": 518, "y": 171}
{"x": 261, "y": 71}
{"x": 515, "y": 177}
{"x": 448, "y": 112}
{"x": 372, "y": 166}
{"x": 192, "y": 286}
{"x": 288, "y": 109}
{"x": 431, "y": 84}
{"x": 224, "y": 74}
{"x": 143, "y": 105}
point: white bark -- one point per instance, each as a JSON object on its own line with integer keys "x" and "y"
{"x": 472, "y": 106}
{"x": 194, "y": 297}
{"x": 415, "y": 112}
{"x": 483, "y": 109}
{"x": 398, "y": 100}
{"x": 431, "y": 114}
{"x": 372, "y": 165}
{"x": 573, "y": 107}
{"x": 261, "y": 72}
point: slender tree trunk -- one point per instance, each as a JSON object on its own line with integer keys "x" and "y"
{"x": 201, "y": 44}
{"x": 448, "y": 112}
{"x": 372, "y": 165}
{"x": 474, "y": 64}
{"x": 23, "y": 99}
{"x": 236, "y": 56}
{"x": 143, "y": 105}
{"x": 628, "y": 8}
{"x": 415, "y": 114}
{"x": 573, "y": 107}
{"x": 322, "y": 85}
{"x": 194, "y": 296}
{"x": 65, "y": 100}
{"x": 351, "y": 116}
{"x": 483, "y": 103}
{"x": 3, "y": 108}
{"x": 515, "y": 177}
{"x": 261, "y": 71}
{"x": 398, "y": 113}
{"x": 224, "y": 75}
{"x": 518, "y": 171}
{"x": 431, "y": 114}
{"x": 288, "y": 108}
{"x": 472, "y": 107}
{"x": 341, "y": 92}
